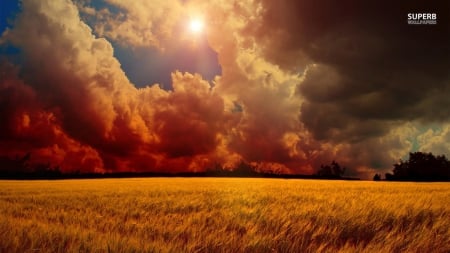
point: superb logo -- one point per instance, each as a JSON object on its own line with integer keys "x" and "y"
{"x": 422, "y": 18}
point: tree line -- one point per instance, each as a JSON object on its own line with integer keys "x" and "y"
{"x": 419, "y": 167}
{"x": 21, "y": 167}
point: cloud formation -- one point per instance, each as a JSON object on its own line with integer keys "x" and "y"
{"x": 302, "y": 83}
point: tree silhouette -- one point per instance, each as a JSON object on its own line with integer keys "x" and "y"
{"x": 389, "y": 176}
{"x": 22, "y": 167}
{"x": 422, "y": 167}
{"x": 377, "y": 177}
{"x": 19, "y": 164}
{"x": 334, "y": 170}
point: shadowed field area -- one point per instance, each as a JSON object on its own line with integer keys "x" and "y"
{"x": 223, "y": 215}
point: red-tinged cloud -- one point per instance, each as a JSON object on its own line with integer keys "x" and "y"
{"x": 297, "y": 88}
{"x": 27, "y": 127}
{"x": 88, "y": 98}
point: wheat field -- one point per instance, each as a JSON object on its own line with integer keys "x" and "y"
{"x": 223, "y": 215}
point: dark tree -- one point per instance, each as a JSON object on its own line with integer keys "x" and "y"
{"x": 389, "y": 176}
{"x": 15, "y": 165}
{"x": 377, "y": 177}
{"x": 334, "y": 170}
{"x": 422, "y": 167}
{"x": 21, "y": 167}
{"x": 244, "y": 169}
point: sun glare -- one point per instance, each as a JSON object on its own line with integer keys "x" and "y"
{"x": 196, "y": 25}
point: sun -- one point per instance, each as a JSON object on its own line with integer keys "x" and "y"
{"x": 196, "y": 25}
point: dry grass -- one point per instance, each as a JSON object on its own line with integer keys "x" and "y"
{"x": 223, "y": 215}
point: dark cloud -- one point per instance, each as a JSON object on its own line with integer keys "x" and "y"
{"x": 371, "y": 66}
{"x": 27, "y": 127}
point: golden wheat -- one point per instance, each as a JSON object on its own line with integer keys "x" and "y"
{"x": 223, "y": 215}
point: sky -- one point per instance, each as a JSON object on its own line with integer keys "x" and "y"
{"x": 115, "y": 85}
